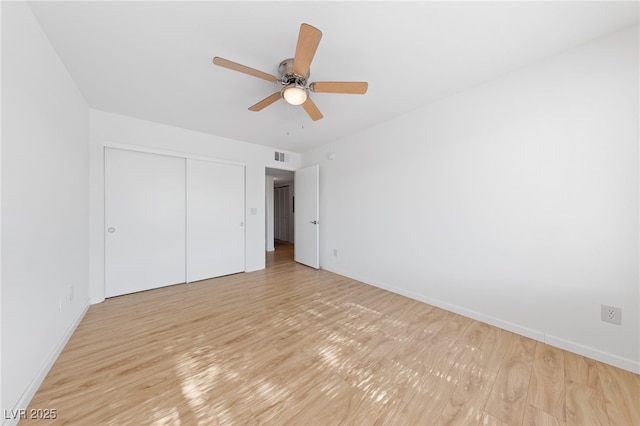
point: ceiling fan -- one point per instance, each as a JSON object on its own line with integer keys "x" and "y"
{"x": 294, "y": 76}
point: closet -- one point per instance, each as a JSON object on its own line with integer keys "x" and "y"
{"x": 170, "y": 220}
{"x": 215, "y": 219}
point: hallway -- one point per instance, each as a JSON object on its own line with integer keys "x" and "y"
{"x": 283, "y": 254}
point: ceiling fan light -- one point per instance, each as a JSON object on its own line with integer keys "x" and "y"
{"x": 294, "y": 94}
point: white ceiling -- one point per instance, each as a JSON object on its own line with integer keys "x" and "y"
{"x": 152, "y": 59}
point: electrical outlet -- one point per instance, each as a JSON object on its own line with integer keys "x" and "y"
{"x": 611, "y": 314}
{"x": 70, "y": 293}
{"x": 335, "y": 252}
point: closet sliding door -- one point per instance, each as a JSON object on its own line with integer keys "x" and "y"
{"x": 215, "y": 219}
{"x": 144, "y": 221}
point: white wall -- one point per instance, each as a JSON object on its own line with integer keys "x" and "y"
{"x": 1, "y": 385}
{"x": 515, "y": 202}
{"x": 107, "y": 128}
{"x": 45, "y": 205}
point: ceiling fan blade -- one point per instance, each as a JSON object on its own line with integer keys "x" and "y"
{"x": 242, "y": 68}
{"x": 308, "y": 41}
{"x": 265, "y": 102}
{"x": 351, "y": 87}
{"x": 312, "y": 110}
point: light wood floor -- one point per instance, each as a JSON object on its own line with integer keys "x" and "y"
{"x": 292, "y": 345}
{"x": 283, "y": 254}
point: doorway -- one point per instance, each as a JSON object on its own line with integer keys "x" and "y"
{"x": 280, "y": 211}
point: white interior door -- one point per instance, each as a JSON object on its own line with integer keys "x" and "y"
{"x": 215, "y": 219}
{"x": 144, "y": 221}
{"x": 307, "y": 205}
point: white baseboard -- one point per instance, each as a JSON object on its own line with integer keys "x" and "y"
{"x": 607, "y": 358}
{"x": 31, "y": 390}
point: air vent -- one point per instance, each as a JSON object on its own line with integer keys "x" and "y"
{"x": 280, "y": 156}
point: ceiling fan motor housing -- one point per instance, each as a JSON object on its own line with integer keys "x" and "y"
{"x": 287, "y": 76}
{"x": 294, "y": 91}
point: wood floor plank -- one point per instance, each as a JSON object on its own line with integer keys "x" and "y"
{"x": 295, "y": 345}
{"x": 462, "y": 351}
{"x": 534, "y": 416}
{"x": 491, "y": 352}
{"x": 428, "y": 401}
{"x": 309, "y": 392}
{"x": 469, "y": 398}
{"x": 621, "y": 392}
{"x": 489, "y": 420}
{"x": 546, "y": 388}
{"x": 585, "y": 405}
{"x": 508, "y": 397}
{"x": 581, "y": 370}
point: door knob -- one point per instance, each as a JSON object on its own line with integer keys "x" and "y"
{"x": 315, "y": 222}
{"x": 111, "y": 230}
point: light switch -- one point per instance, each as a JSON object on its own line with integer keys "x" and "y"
{"x": 254, "y": 211}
